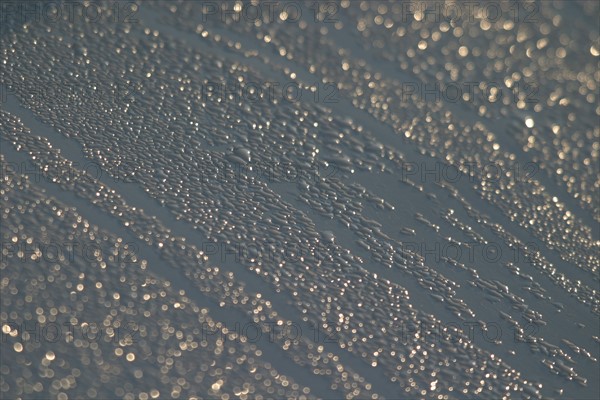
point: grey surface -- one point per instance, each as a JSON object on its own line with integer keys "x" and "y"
{"x": 107, "y": 127}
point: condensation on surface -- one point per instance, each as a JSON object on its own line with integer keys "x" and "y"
{"x": 212, "y": 205}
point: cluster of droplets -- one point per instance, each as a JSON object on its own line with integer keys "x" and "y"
{"x": 181, "y": 146}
